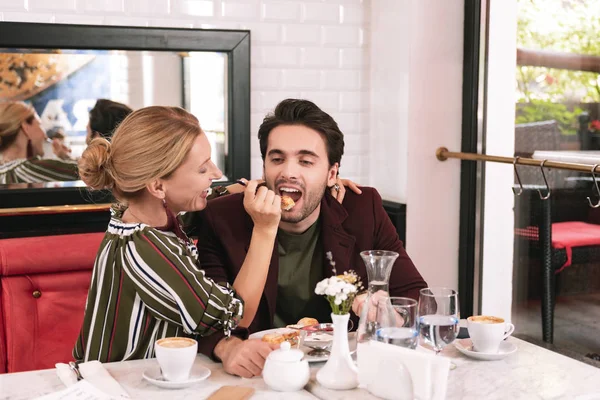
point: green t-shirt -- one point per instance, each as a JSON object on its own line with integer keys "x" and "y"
{"x": 300, "y": 269}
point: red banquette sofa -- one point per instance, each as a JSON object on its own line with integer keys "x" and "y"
{"x": 44, "y": 283}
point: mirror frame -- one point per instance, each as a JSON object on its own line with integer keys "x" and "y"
{"x": 236, "y": 43}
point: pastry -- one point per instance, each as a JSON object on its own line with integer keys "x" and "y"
{"x": 282, "y": 336}
{"x": 307, "y": 321}
{"x": 287, "y": 203}
{"x": 304, "y": 322}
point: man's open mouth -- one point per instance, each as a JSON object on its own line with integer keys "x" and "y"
{"x": 293, "y": 193}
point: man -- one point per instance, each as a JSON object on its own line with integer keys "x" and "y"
{"x": 301, "y": 147}
{"x": 105, "y": 116}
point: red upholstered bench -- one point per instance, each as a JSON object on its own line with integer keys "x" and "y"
{"x": 44, "y": 283}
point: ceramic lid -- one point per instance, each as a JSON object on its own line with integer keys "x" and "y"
{"x": 286, "y": 354}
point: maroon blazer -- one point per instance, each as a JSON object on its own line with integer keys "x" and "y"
{"x": 360, "y": 223}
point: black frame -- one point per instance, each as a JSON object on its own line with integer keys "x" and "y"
{"x": 471, "y": 199}
{"x": 236, "y": 43}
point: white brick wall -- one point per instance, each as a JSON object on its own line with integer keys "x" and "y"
{"x": 313, "y": 49}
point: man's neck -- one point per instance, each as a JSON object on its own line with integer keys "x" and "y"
{"x": 301, "y": 226}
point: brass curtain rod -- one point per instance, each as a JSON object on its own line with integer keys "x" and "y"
{"x": 66, "y": 209}
{"x": 442, "y": 154}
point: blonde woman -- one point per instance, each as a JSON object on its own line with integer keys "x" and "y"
{"x": 146, "y": 283}
{"x": 22, "y": 148}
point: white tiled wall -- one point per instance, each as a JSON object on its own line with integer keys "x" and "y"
{"x": 315, "y": 49}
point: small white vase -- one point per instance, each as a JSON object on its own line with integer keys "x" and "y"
{"x": 339, "y": 372}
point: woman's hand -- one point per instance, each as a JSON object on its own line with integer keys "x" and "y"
{"x": 263, "y": 206}
{"x": 237, "y": 188}
{"x": 61, "y": 151}
{"x": 339, "y": 189}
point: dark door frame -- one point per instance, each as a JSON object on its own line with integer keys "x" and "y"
{"x": 473, "y": 141}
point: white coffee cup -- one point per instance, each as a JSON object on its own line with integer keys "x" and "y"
{"x": 488, "y": 332}
{"x": 176, "y": 356}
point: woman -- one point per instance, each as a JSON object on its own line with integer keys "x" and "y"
{"x": 146, "y": 283}
{"x": 22, "y": 148}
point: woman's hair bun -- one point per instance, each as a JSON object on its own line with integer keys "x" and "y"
{"x": 94, "y": 165}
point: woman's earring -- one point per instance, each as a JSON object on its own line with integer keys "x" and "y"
{"x": 29, "y": 149}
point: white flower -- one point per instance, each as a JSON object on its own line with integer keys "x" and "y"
{"x": 337, "y": 301}
{"x": 321, "y": 286}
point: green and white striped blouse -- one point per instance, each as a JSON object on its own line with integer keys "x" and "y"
{"x": 146, "y": 285}
{"x": 38, "y": 169}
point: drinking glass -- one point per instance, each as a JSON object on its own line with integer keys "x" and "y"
{"x": 438, "y": 317}
{"x": 397, "y": 321}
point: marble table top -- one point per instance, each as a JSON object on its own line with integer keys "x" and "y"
{"x": 531, "y": 373}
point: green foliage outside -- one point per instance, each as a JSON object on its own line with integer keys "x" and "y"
{"x": 548, "y": 93}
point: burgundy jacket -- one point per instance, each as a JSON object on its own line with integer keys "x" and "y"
{"x": 360, "y": 223}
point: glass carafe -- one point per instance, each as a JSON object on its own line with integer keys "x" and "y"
{"x": 379, "y": 266}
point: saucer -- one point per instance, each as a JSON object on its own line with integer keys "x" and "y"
{"x": 198, "y": 374}
{"x": 465, "y": 346}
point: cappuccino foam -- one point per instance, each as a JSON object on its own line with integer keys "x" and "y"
{"x": 176, "y": 342}
{"x": 486, "y": 319}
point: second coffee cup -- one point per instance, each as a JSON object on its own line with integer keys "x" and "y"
{"x": 488, "y": 332}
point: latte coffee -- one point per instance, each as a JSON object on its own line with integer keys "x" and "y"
{"x": 175, "y": 342}
{"x": 487, "y": 332}
{"x": 176, "y": 356}
{"x": 486, "y": 319}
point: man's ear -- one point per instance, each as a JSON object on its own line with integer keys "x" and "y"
{"x": 157, "y": 189}
{"x": 332, "y": 174}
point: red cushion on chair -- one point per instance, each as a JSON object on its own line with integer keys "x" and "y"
{"x": 37, "y": 331}
{"x": 566, "y": 235}
{"x": 2, "y": 336}
{"x": 43, "y": 254}
{"x": 42, "y": 331}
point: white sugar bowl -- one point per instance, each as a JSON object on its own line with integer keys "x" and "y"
{"x": 285, "y": 369}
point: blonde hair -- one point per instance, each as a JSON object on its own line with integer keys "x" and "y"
{"x": 12, "y": 116}
{"x": 149, "y": 144}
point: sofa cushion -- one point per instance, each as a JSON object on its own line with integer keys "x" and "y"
{"x": 43, "y": 315}
{"x": 43, "y": 254}
{"x": 44, "y": 283}
{"x": 2, "y": 336}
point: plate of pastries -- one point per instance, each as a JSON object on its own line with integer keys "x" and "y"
{"x": 308, "y": 335}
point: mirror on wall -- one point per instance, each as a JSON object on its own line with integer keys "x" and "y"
{"x": 64, "y": 85}
{"x": 63, "y": 70}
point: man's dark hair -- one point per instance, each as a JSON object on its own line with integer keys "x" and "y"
{"x": 106, "y": 116}
{"x": 304, "y": 112}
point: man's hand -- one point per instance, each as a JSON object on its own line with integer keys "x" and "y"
{"x": 60, "y": 150}
{"x": 359, "y": 302}
{"x": 245, "y": 358}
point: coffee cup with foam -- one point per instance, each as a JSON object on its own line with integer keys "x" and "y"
{"x": 487, "y": 332}
{"x": 176, "y": 356}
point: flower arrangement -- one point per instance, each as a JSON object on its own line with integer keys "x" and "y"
{"x": 340, "y": 290}
{"x": 595, "y": 126}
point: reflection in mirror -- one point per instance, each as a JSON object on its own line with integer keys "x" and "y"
{"x": 57, "y": 89}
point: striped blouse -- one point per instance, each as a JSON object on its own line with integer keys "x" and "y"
{"x": 38, "y": 169}
{"x": 146, "y": 285}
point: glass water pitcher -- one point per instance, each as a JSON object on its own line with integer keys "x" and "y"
{"x": 379, "y": 267}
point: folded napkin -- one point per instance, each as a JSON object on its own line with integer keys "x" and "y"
{"x": 397, "y": 373}
{"x": 94, "y": 373}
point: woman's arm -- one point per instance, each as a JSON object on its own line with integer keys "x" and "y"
{"x": 264, "y": 207}
{"x": 174, "y": 289}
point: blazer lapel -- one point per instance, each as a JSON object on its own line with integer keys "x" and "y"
{"x": 335, "y": 239}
